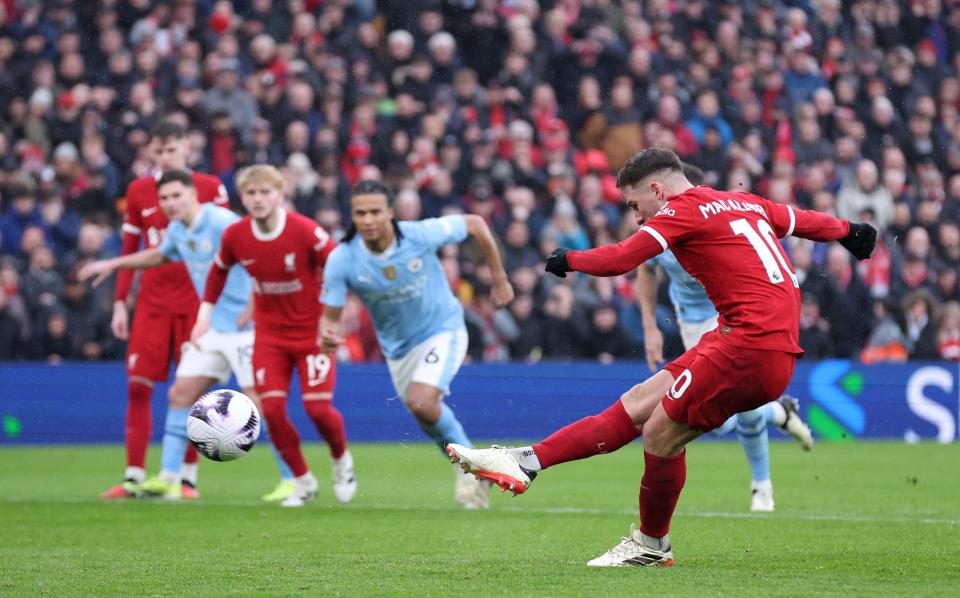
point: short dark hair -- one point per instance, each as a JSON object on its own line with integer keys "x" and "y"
{"x": 371, "y": 187}
{"x": 693, "y": 174}
{"x": 167, "y": 129}
{"x": 175, "y": 176}
{"x": 646, "y": 162}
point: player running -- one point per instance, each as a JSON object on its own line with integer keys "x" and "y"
{"x": 393, "y": 267}
{"x": 727, "y": 241}
{"x": 284, "y": 253}
{"x": 166, "y": 305}
{"x": 696, "y": 316}
{"x": 193, "y": 237}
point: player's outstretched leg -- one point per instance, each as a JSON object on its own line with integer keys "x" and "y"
{"x": 136, "y": 438}
{"x": 329, "y": 423}
{"x": 752, "y": 433}
{"x": 514, "y": 469}
{"x": 287, "y": 442}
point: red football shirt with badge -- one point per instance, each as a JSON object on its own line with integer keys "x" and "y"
{"x": 286, "y": 268}
{"x": 166, "y": 288}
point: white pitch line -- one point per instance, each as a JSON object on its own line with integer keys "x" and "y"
{"x": 837, "y": 517}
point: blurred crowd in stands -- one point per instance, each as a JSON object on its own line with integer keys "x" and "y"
{"x": 517, "y": 110}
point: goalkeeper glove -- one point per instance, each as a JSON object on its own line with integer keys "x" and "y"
{"x": 861, "y": 240}
{"x": 557, "y": 262}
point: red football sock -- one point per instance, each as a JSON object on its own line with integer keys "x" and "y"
{"x": 329, "y": 423}
{"x": 139, "y": 424}
{"x": 660, "y": 486}
{"x": 607, "y": 432}
{"x": 283, "y": 434}
{"x": 191, "y": 457}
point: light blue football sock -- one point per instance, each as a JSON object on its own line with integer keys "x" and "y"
{"x": 285, "y": 473}
{"x": 728, "y": 426}
{"x": 752, "y": 432}
{"x": 447, "y": 430}
{"x": 174, "y": 445}
{"x": 769, "y": 413}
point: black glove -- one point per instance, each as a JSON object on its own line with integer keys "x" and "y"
{"x": 861, "y": 240}
{"x": 557, "y": 262}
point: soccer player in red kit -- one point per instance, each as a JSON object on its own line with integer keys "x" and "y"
{"x": 729, "y": 242}
{"x": 166, "y": 305}
{"x": 284, "y": 253}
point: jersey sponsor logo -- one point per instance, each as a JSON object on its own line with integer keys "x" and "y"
{"x": 363, "y": 278}
{"x": 415, "y": 265}
{"x": 290, "y": 262}
{"x": 147, "y": 211}
{"x": 277, "y": 287}
{"x": 712, "y": 208}
{"x": 390, "y": 272}
{"x": 247, "y": 262}
{"x": 666, "y": 210}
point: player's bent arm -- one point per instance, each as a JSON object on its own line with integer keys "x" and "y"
{"x": 331, "y": 327}
{"x": 478, "y": 229}
{"x": 614, "y": 260}
{"x": 858, "y": 238}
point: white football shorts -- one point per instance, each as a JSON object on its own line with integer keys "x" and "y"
{"x": 220, "y": 353}
{"x": 691, "y": 332}
{"x": 435, "y": 361}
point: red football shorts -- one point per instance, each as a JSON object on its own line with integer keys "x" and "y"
{"x": 274, "y": 359}
{"x": 717, "y": 379}
{"x": 156, "y": 337}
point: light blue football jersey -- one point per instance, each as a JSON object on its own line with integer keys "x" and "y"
{"x": 688, "y": 296}
{"x": 196, "y": 247}
{"x": 404, "y": 288}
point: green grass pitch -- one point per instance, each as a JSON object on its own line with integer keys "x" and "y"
{"x": 851, "y": 519}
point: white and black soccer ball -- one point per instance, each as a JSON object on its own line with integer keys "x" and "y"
{"x": 224, "y": 425}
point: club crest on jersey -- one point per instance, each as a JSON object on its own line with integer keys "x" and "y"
{"x": 390, "y": 272}
{"x": 289, "y": 262}
{"x": 415, "y": 265}
{"x": 192, "y": 245}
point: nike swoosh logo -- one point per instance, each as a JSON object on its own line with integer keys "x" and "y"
{"x": 314, "y": 382}
{"x": 247, "y": 262}
{"x": 146, "y": 212}
{"x": 363, "y": 278}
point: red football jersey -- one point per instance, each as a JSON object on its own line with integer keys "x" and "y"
{"x": 286, "y": 266}
{"x": 729, "y": 241}
{"x": 166, "y": 287}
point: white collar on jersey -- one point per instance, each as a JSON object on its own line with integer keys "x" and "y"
{"x": 383, "y": 254}
{"x": 272, "y": 235}
{"x": 200, "y": 217}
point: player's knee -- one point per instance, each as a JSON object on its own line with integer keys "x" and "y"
{"x": 750, "y": 423}
{"x": 661, "y": 438}
{"x": 423, "y": 403}
{"x": 178, "y": 397}
{"x": 274, "y": 407}
{"x": 318, "y": 408}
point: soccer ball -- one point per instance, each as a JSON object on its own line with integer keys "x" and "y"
{"x": 223, "y": 425}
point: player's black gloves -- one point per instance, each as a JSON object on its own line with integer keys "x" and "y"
{"x": 861, "y": 240}
{"x": 557, "y": 262}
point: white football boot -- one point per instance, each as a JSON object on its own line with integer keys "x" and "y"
{"x": 494, "y": 464}
{"x": 344, "y": 478}
{"x": 793, "y": 425}
{"x": 471, "y": 492}
{"x": 636, "y": 551}
{"x": 761, "y": 498}
{"x": 305, "y": 489}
